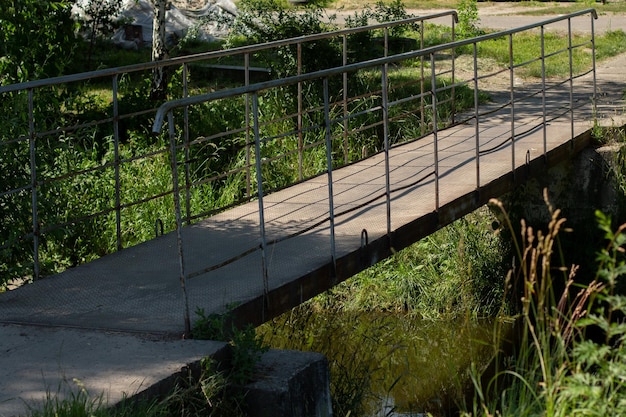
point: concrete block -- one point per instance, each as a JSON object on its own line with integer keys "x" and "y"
{"x": 290, "y": 384}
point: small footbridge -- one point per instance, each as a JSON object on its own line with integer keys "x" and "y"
{"x": 276, "y": 190}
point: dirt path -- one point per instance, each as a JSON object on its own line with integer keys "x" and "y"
{"x": 503, "y": 15}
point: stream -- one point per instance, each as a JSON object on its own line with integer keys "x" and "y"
{"x": 384, "y": 364}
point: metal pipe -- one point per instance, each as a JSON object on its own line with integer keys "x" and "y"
{"x": 453, "y": 53}
{"x": 344, "y": 76}
{"x": 593, "y": 60}
{"x": 117, "y": 163}
{"x": 422, "y": 86}
{"x": 186, "y": 145}
{"x": 543, "y": 93}
{"x": 33, "y": 182}
{"x": 246, "y": 59}
{"x": 329, "y": 163}
{"x": 179, "y": 221}
{"x": 476, "y": 115}
{"x": 347, "y": 68}
{"x": 385, "y": 108}
{"x": 254, "y": 48}
{"x": 259, "y": 183}
{"x": 571, "y": 77}
{"x": 299, "y": 120}
{"x": 433, "y": 89}
{"x": 512, "y": 98}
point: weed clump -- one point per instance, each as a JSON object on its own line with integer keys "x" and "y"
{"x": 559, "y": 367}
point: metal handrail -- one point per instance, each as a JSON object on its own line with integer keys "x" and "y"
{"x": 381, "y": 64}
{"x": 32, "y": 134}
{"x": 242, "y": 50}
{"x": 433, "y": 50}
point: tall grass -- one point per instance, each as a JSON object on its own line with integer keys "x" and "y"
{"x": 572, "y": 336}
{"x": 454, "y": 272}
{"x": 527, "y": 47}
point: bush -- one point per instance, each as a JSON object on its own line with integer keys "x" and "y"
{"x": 36, "y": 39}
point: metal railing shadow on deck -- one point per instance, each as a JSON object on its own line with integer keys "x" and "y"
{"x": 309, "y": 125}
{"x": 71, "y": 134}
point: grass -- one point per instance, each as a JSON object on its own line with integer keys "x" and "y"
{"x": 568, "y": 361}
{"x": 447, "y": 275}
{"x": 409, "y": 4}
{"x": 542, "y": 7}
{"x": 527, "y": 47}
{"x": 553, "y": 8}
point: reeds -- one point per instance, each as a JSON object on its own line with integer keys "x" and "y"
{"x": 561, "y": 367}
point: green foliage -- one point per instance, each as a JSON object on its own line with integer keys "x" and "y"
{"x": 594, "y": 385}
{"x": 246, "y": 347}
{"x": 261, "y": 21}
{"x": 78, "y": 404}
{"x": 191, "y": 396}
{"x": 469, "y": 22}
{"x": 456, "y": 271}
{"x": 527, "y": 47}
{"x": 36, "y": 39}
{"x": 99, "y": 20}
{"x": 610, "y": 43}
{"x": 572, "y": 346}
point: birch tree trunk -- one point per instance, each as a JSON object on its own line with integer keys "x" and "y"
{"x": 159, "y": 51}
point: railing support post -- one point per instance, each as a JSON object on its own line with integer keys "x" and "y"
{"x": 259, "y": 182}
{"x": 33, "y": 182}
{"x": 246, "y": 59}
{"x": 543, "y": 93}
{"x": 385, "y": 99}
{"x": 116, "y": 163}
{"x": 512, "y": 98}
{"x": 571, "y": 77}
{"x": 329, "y": 163}
{"x": 476, "y": 115}
{"x": 179, "y": 221}
{"x": 593, "y": 59}
{"x": 344, "y": 77}
{"x": 186, "y": 147}
{"x": 300, "y": 120}
{"x": 433, "y": 89}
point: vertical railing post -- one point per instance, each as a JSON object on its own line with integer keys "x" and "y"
{"x": 299, "y": 120}
{"x": 116, "y": 163}
{"x": 453, "y": 91}
{"x": 346, "y": 147}
{"x": 246, "y": 60}
{"x": 329, "y": 164}
{"x": 593, "y": 58}
{"x": 422, "y": 86}
{"x": 433, "y": 89}
{"x": 259, "y": 182}
{"x": 476, "y": 115}
{"x": 571, "y": 76}
{"x": 386, "y": 42}
{"x": 186, "y": 146}
{"x": 385, "y": 102}
{"x": 543, "y": 93}
{"x": 33, "y": 182}
{"x": 512, "y": 98}
{"x": 179, "y": 220}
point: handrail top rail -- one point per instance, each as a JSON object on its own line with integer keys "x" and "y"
{"x": 108, "y": 72}
{"x": 237, "y": 91}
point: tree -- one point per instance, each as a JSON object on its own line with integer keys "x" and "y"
{"x": 37, "y": 39}
{"x": 159, "y": 51}
{"x": 98, "y": 20}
